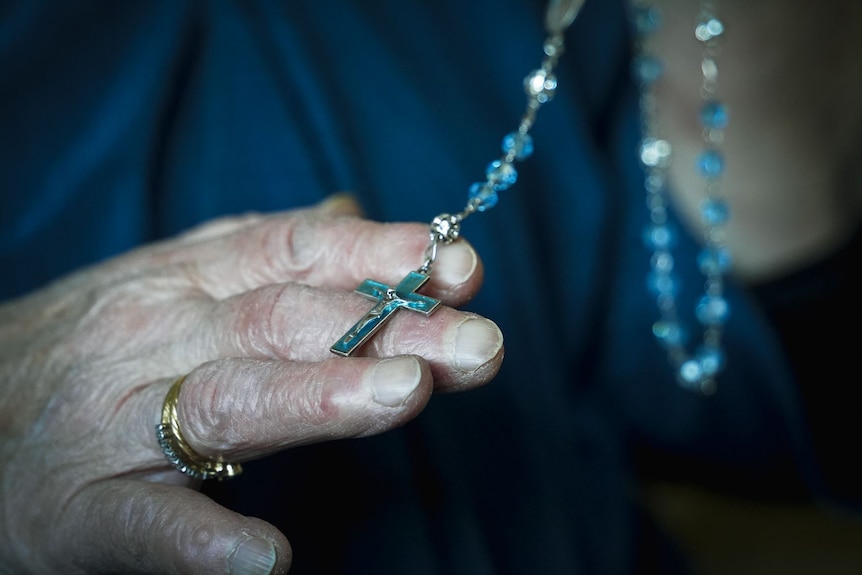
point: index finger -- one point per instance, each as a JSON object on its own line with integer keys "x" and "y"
{"x": 321, "y": 249}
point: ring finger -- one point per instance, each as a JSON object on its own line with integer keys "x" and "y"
{"x": 241, "y": 409}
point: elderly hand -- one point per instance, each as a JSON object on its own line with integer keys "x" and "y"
{"x": 246, "y": 308}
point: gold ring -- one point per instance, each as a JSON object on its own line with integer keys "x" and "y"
{"x": 179, "y": 453}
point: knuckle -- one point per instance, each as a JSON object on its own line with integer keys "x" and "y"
{"x": 197, "y": 540}
{"x": 136, "y": 310}
{"x": 268, "y": 334}
{"x": 230, "y": 406}
{"x": 254, "y": 322}
{"x": 205, "y": 415}
{"x": 311, "y": 404}
{"x": 287, "y": 248}
{"x": 263, "y": 322}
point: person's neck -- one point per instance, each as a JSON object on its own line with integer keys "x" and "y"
{"x": 792, "y": 79}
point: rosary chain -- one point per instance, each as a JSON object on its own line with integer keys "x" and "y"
{"x": 540, "y": 86}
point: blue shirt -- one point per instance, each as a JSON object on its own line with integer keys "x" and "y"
{"x": 127, "y": 122}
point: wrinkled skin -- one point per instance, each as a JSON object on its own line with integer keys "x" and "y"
{"x": 248, "y": 308}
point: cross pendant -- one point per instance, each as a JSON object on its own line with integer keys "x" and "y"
{"x": 389, "y": 300}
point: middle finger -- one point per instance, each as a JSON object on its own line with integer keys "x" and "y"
{"x": 295, "y": 322}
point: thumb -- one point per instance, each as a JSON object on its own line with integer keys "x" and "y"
{"x": 129, "y": 526}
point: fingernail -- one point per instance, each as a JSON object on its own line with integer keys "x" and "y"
{"x": 253, "y": 556}
{"x": 393, "y": 380}
{"x": 340, "y": 203}
{"x": 477, "y": 341}
{"x": 455, "y": 263}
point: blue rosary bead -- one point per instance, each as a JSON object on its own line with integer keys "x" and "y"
{"x": 662, "y": 262}
{"x": 659, "y": 236}
{"x": 646, "y": 19}
{"x": 483, "y": 196}
{"x": 711, "y": 359}
{"x": 518, "y": 144}
{"x": 715, "y": 212}
{"x": 711, "y": 164}
{"x": 647, "y": 69}
{"x": 669, "y": 333}
{"x": 714, "y": 115}
{"x": 662, "y": 285}
{"x": 712, "y": 310}
{"x": 502, "y": 175}
{"x": 714, "y": 261}
{"x": 690, "y": 373}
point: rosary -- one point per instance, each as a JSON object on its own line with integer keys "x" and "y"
{"x": 500, "y": 175}
{"x": 694, "y": 371}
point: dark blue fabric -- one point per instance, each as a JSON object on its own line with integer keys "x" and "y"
{"x": 124, "y": 122}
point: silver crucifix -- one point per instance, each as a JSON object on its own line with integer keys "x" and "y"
{"x": 389, "y": 300}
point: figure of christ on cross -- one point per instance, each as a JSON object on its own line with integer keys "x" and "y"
{"x": 389, "y": 300}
